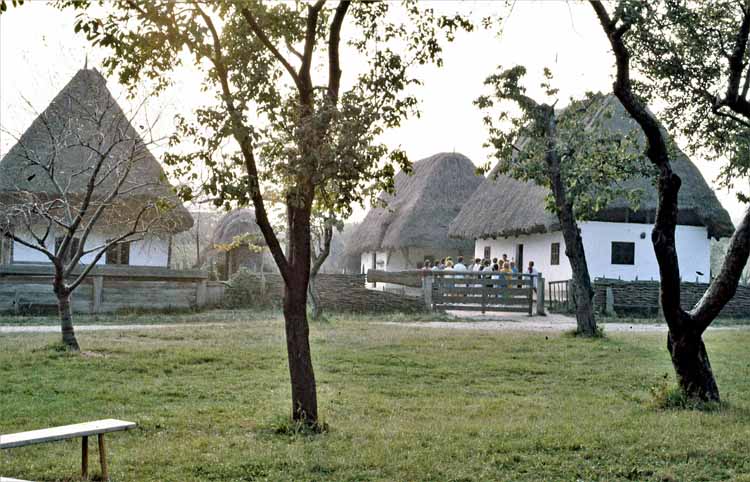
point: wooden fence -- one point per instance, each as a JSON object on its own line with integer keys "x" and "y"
{"x": 558, "y": 295}
{"x": 471, "y": 290}
{"x": 27, "y": 288}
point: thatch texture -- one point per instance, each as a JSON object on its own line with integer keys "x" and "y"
{"x": 238, "y": 242}
{"x": 234, "y": 224}
{"x": 505, "y": 207}
{"x": 84, "y": 112}
{"x": 422, "y": 207}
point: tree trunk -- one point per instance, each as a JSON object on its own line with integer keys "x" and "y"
{"x": 304, "y": 394}
{"x": 583, "y": 293}
{"x": 66, "y": 322}
{"x": 690, "y": 361}
{"x": 316, "y": 309}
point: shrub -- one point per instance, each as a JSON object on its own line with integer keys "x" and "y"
{"x": 248, "y": 289}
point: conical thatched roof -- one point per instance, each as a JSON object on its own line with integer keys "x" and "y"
{"x": 424, "y": 204}
{"x": 240, "y": 222}
{"x": 503, "y": 207}
{"x": 84, "y": 112}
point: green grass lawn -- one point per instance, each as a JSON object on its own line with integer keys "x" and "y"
{"x": 401, "y": 404}
{"x": 660, "y": 321}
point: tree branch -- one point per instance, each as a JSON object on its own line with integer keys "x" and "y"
{"x": 334, "y": 39}
{"x": 258, "y": 31}
{"x": 242, "y": 136}
{"x": 663, "y": 234}
{"x": 724, "y": 286}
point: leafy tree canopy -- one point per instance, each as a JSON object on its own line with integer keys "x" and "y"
{"x": 598, "y": 153}
{"x": 250, "y": 53}
{"x": 693, "y": 55}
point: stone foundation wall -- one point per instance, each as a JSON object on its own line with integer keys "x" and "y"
{"x": 338, "y": 293}
{"x": 642, "y": 297}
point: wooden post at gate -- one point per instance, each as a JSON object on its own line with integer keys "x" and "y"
{"x": 540, "y": 295}
{"x": 427, "y": 289}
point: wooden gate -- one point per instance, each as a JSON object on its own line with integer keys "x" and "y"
{"x": 481, "y": 291}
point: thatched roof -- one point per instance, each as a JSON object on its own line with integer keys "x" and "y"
{"x": 424, "y": 204}
{"x": 503, "y": 207}
{"x": 240, "y": 222}
{"x": 84, "y": 112}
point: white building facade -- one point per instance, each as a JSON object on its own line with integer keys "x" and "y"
{"x": 613, "y": 250}
{"x": 151, "y": 251}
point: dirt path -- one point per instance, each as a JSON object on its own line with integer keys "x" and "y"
{"x": 553, "y": 322}
{"x": 56, "y": 328}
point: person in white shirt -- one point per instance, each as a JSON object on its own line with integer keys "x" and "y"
{"x": 460, "y": 266}
{"x": 533, "y": 272}
{"x": 477, "y": 266}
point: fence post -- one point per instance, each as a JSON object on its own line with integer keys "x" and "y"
{"x": 200, "y": 294}
{"x": 609, "y": 302}
{"x": 540, "y": 295}
{"x": 427, "y": 288}
{"x": 96, "y": 302}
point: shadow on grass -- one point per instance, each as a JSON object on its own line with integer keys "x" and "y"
{"x": 285, "y": 426}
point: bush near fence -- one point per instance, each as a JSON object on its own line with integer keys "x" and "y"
{"x": 338, "y": 293}
{"x": 641, "y": 298}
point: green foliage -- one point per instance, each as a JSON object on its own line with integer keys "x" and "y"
{"x": 283, "y": 425}
{"x": 301, "y": 132}
{"x": 246, "y": 290}
{"x": 597, "y": 153}
{"x": 671, "y": 397}
{"x": 683, "y": 51}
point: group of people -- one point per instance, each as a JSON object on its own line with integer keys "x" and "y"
{"x": 497, "y": 266}
{"x": 502, "y": 265}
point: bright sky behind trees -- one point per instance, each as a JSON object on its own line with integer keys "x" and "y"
{"x": 39, "y": 53}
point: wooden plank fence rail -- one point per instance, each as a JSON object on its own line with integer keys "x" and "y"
{"x": 27, "y": 288}
{"x": 471, "y": 290}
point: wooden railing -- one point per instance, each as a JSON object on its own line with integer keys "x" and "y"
{"x": 559, "y": 299}
{"x": 28, "y": 287}
{"x": 471, "y": 290}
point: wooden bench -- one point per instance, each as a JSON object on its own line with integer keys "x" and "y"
{"x": 83, "y": 430}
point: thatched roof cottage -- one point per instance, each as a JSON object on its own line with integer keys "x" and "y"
{"x": 85, "y": 113}
{"x": 414, "y": 224}
{"x": 237, "y": 242}
{"x": 508, "y": 216}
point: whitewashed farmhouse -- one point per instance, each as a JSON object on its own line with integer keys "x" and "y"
{"x": 506, "y": 216}
{"x": 413, "y": 225}
{"x": 85, "y": 111}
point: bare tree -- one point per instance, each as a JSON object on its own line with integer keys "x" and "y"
{"x": 80, "y": 183}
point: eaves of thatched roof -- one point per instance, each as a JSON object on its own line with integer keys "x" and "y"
{"x": 422, "y": 206}
{"x": 505, "y": 207}
{"x": 234, "y": 224}
{"x": 68, "y": 122}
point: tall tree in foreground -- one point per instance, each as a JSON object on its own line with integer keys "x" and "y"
{"x": 281, "y": 115}
{"x": 705, "y": 59}
{"x": 81, "y": 183}
{"x": 575, "y": 154}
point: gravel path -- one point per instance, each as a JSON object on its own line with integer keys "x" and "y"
{"x": 553, "y": 322}
{"x": 56, "y": 328}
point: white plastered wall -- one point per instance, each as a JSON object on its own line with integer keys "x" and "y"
{"x": 693, "y": 250}
{"x": 152, "y": 251}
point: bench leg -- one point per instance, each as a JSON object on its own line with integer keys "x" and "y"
{"x": 103, "y": 457}
{"x": 84, "y": 458}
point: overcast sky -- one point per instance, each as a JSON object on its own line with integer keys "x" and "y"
{"x": 39, "y": 53}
